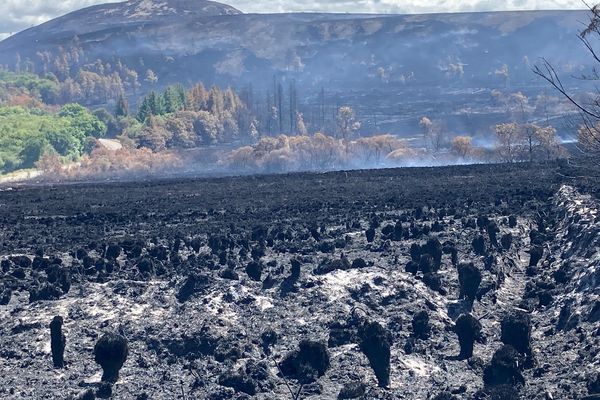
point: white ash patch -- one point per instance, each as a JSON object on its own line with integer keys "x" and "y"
{"x": 419, "y": 367}
{"x": 337, "y": 283}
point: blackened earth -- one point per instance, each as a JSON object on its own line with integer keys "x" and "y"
{"x": 301, "y": 286}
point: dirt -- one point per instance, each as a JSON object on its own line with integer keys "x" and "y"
{"x": 217, "y": 283}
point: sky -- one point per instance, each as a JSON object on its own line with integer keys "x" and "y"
{"x": 21, "y": 14}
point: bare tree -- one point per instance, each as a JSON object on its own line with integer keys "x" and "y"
{"x": 589, "y": 132}
{"x": 347, "y": 122}
{"x": 435, "y": 136}
{"x": 462, "y": 146}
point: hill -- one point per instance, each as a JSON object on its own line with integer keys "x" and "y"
{"x": 392, "y": 68}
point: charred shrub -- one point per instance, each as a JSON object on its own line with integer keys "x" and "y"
{"x": 57, "y": 342}
{"x": 415, "y": 252}
{"x": 420, "y": 325}
{"x": 493, "y": 230}
{"x": 426, "y": 264}
{"x": 433, "y": 281}
{"x": 46, "y": 292}
{"x": 468, "y": 330}
{"x": 506, "y": 241}
{"x": 359, "y": 263}
{"x": 375, "y": 344}
{"x": 479, "y": 245}
{"x": 593, "y": 384}
{"x": 306, "y": 364}
{"x": 433, "y": 247}
{"x": 268, "y": 338}
{"x": 111, "y": 352}
{"x": 482, "y": 222}
{"x": 254, "y": 270}
{"x": 516, "y": 331}
{"x": 469, "y": 278}
{"x": 145, "y": 266}
{"x": 512, "y": 221}
{"x": 104, "y": 391}
{"x": 192, "y": 285}
{"x": 370, "y": 234}
{"x": 503, "y": 368}
{"x": 113, "y": 251}
{"x": 412, "y": 267}
{"x": 5, "y": 297}
{"x": 535, "y": 255}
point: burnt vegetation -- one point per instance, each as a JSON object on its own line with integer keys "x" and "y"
{"x": 263, "y": 295}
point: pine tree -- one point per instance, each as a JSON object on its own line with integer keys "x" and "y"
{"x": 155, "y": 102}
{"x": 144, "y": 110}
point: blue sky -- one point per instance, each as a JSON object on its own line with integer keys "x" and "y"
{"x": 21, "y": 14}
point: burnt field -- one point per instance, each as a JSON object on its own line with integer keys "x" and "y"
{"x": 470, "y": 282}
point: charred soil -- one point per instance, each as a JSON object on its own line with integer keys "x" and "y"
{"x": 307, "y": 286}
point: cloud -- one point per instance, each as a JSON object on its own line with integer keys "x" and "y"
{"x": 21, "y": 14}
{"x": 401, "y": 6}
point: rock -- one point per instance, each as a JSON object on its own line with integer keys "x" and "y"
{"x": 593, "y": 383}
{"x": 110, "y": 352}
{"x": 19, "y": 273}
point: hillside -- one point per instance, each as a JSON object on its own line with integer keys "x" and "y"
{"x": 392, "y": 68}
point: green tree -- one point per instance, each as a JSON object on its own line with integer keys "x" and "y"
{"x": 83, "y": 123}
{"x": 33, "y": 148}
{"x": 144, "y": 110}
